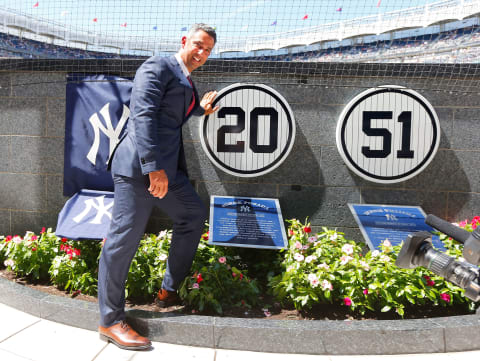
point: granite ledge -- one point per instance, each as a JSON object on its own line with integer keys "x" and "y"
{"x": 382, "y": 337}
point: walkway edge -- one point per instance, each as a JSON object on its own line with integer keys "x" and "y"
{"x": 383, "y": 337}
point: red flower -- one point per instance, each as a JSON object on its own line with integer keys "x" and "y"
{"x": 43, "y": 230}
{"x": 445, "y": 297}
{"x": 427, "y": 278}
{"x": 34, "y": 248}
{"x": 475, "y": 222}
{"x": 430, "y": 283}
{"x": 199, "y": 278}
{"x": 242, "y": 302}
{"x": 347, "y": 301}
{"x": 307, "y": 229}
{"x": 291, "y": 232}
{"x": 63, "y": 240}
{"x": 8, "y": 239}
{"x": 205, "y": 236}
{"x": 241, "y": 276}
{"x": 76, "y": 252}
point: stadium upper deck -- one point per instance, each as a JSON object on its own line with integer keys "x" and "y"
{"x": 382, "y": 37}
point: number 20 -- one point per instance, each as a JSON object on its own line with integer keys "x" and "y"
{"x": 239, "y": 147}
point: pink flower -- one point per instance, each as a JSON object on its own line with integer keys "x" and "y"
{"x": 291, "y": 232}
{"x": 267, "y": 313}
{"x": 8, "y": 239}
{"x": 298, "y": 245}
{"x": 312, "y": 239}
{"x": 34, "y": 238}
{"x": 387, "y": 243}
{"x": 445, "y": 297}
{"x": 195, "y": 285}
{"x": 222, "y": 259}
{"x": 347, "y": 301}
{"x": 234, "y": 274}
{"x": 365, "y": 292}
{"x": 43, "y": 230}
{"x": 462, "y": 223}
{"x": 430, "y": 283}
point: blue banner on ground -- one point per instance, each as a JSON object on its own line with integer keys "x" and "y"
{"x": 96, "y": 114}
{"x": 86, "y": 215}
{"x": 380, "y": 222}
{"x": 246, "y": 222}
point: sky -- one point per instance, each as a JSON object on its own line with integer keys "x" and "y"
{"x": 231, "y": 18}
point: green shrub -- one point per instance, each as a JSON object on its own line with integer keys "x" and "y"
{"x": 327, "y": 268}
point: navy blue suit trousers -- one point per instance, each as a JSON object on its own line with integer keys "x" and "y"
{"x": 131, "y": 211}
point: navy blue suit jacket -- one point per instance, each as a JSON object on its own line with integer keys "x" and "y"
{"x": 161, "y": 96}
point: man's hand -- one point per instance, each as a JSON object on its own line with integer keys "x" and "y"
{"x": 158, "y": 183}
{"x": 206, "y": 102}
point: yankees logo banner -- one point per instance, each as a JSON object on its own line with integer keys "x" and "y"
{"x": 96, "y": 114}
{"x": 86, "y": 215}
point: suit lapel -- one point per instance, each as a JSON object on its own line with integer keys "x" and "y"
{"x": 188, "y": 90}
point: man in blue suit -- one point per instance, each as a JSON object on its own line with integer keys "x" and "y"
{"x": 149, "y": 169}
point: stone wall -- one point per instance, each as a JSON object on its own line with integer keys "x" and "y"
{"x": 313, "y": 182}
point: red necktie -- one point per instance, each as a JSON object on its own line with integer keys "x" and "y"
{"x": 192, "y": 104}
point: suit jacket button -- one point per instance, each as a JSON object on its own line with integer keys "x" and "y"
{"x": 142, "y": 160}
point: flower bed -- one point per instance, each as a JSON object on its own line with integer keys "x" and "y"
{"x": 315, "y": 269}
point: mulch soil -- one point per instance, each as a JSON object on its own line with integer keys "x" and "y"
{"x": 321, "y": 312}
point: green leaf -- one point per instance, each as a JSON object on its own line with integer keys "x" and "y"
{"x": 386, "y": 308}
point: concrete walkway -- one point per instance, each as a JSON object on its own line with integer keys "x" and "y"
{"x": 26, "y": 337}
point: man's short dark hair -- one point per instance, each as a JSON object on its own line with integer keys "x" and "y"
{"x": 204, "y": 27}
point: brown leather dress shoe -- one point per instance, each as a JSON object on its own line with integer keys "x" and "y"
{"x": 167, "y": 298}
{"x": 122, "y": 335}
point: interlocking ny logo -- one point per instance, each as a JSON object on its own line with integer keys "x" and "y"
{"x": 99, "y": 204}
{"x": 113, "y": 134}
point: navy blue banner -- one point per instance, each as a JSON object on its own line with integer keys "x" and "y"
{"x": 96, "y": 115}
{"x": 86, "y": 215}
{"x": 393, "y": 223}
{"x": 246, "y": 222}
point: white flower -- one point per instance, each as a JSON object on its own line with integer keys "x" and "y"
{"x": 298, "y": 245}
{"x": 162, "y": 257}
{"x": 347, "y": 248}
{"x": 17, "y": 239}
{"x": 55, "y": 272}
{"x": 376, "y": 253}
{"x": 310, "y": 259}
{"x": 305, "y": 246}
{"x": 345, "y": 259}
{"x": 364, "y": 265}
{"x": 9, "y": 262}
{"x": 334, "y": 236}
{"x": 324, "y": 266}
{"x": 387, "y": 243}
{"x": 312, "y": 239}
{"x": 312, "y": 276}
{"x": 327, "y": 285}
{"x": 384, "y": 258}
{"x": 162, "y": 234}
{"x": 290, "y": 268}
{"x": 299, "y": 257}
